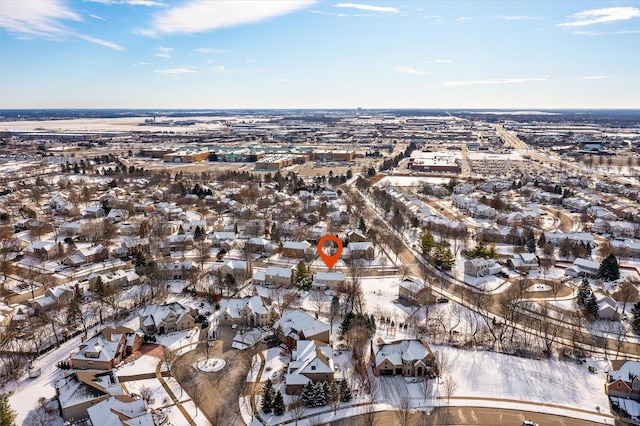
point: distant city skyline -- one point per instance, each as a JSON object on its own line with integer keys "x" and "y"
{"x": 319, "y": 54}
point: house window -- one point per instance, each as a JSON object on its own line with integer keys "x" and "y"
{"x": 313, "y": 367}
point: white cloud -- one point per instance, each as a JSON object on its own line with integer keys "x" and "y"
{"x": 45, "y": 18}
{"x": 209, "y": 50}
{"x": 140, "y": 63}
{"x": 177, "y": 71}
{"x": 464, "y": 19}
{"x": 492, "y": 81}
{"x": 599, "y": 33}
{"x": 100, "y": 18}
{"x": 39, "y": 17}
{"x": 129, "y": 2}
{"x": 99, "y": 41}
{"x": 164, "y": 52}
{"x": 442, "y": 61}
{"x": 218, "y": 68}
{"x": 595, "y": 77}
{"x": 409, "y": 70}
{"x": 205, "y": 15}
{"x": 599, "y": 16}
{"x": 368, "y": 8}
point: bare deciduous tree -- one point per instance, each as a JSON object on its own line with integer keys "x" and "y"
{"x": 450, "y": 387}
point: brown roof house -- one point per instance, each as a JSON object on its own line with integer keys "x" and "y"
{"x": 625, "y": 381}
{"x": 106, "y": 349}
{"x": 410, "y": 357}
{"x": 81, "y": 390}
{"x": 297, "y": 325}
{"x": 311, "y": 361}
{"x": 162, "y": 319}
{"x": 252, "y": 311}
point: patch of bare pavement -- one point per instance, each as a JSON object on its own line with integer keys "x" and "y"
{"x": 215, "y": 393}
{"x": 461, "y": 416}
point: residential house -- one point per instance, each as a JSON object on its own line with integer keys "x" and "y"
{"x": 355, "y": 236}
{"x": 328, "y": 280}
{"x": 225, "y": 240}
{"x": 93, "y": 212}
{"x": 556, "y": 237}
{"x": 279, "y": 276}
{"x": 256, "y": 245}
{"x": 120, "y": 410}
{"x": 240, "y": 269}
{"x": 175, "y": 270}
{"x": 163, "y": 319}
{"x": 583, "y": 268}
{"x": 409, "y": 357}
{"x": 87, "y": 255}
{"x": 296, "y": 249}
{"x": 412, "y": 291}
{"x": 363, "y": 250}
{"x": 523, "y": 262}
{"x": 252, "y": 311}
{"x": 117, "y": 215}
{"x": 625, "y": 381}
{"x": 106, "y": 349}
{"x": 608, "y": 308}
{"x": 297, "y": 325}
{"x": 80, "y": 390}
{"x": 311, "y": 361}
{"x": 45, "y": 250}
{"x": 52, "y": 296}
{"x": 179, "y": 242}
{"x": 481, "y": 267}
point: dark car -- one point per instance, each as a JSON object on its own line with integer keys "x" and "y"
{"x": 443, "y": 300}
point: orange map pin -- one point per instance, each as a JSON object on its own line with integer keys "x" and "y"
{"x": 330, "y": 260}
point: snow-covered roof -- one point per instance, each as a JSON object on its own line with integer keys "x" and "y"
{"x": 81, "y": 386}
{"x": 309, "y": 357}
{"x": 155, "y": 314}
{"x": 278, "y": 271}
{"x": 254, "y": 303}
{"x": 120, "y": 411}
{"x": 296, "y": 245}
{"x": 295, "y": 321}
{"x": 404, "y": 350}
{"x": 626, "y": 372}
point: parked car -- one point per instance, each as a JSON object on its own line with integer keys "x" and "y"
{"x": 443, "y": 300}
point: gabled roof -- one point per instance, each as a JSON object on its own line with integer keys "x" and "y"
{"x": 294, "y": 322}
{"x": 155, "y": 314}
{"x": 121, "y": 410}
{"x": 404, "y": 350}
{"x": 309, "y": 357}
{"x": 626, "y": 372}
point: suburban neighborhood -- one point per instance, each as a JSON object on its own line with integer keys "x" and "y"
{"x": 167, "y": 270}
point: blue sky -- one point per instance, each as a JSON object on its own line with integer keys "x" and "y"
{"x": 319, "y": 54}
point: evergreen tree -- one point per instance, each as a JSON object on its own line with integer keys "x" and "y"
{"x": 609, "y": 268}
{"x": 531, "y": 245}
{"x": 542, "y": 240}
{"x": 320, "y": 395}
{"x": 443, "y": 258}
{"x": 267, "y": 397}
{"x": 345, "y": 391}
{"x": 592, "y": 306}
{"x": 278, "y": 404}
{"x": 74, "y": 314}
{"x": 308, "y": 393}
{"x": 198, "y": 234}
{"x": 583, "y": 292}
{"x": 7, "y": 414}
{"x": 303, "y": 280}
{"x": 427, "y": 242}
{"x": 635, "y": 320}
